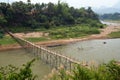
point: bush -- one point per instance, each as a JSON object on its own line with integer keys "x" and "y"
{"x": 71, "y": 32}
{"x": 12, "y": 73}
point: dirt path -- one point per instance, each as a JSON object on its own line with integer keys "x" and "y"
{"x": 31, "y": 34}
{"x": 104, "y": 32}
{"x": 102, "y": 35}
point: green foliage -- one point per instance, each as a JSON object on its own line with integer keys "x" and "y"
{"x": 12, "y": 73}
{"x": 3, "y": 21}
{"x": 81, "y": 73}
{"x": 6, "y": 40}
{"x": 46, "y": 15}
{"x": 114, "y": 35}
{"x": 110, "y": 71}
{"x": 54, "y": 33}
{"x": 1, "y": 33}
{"x": 71, "y": 32}
{"x": 36, "y": 39}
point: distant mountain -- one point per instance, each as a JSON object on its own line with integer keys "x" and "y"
{"x": 107, "y": 10}
{"x": 113, "y": 9}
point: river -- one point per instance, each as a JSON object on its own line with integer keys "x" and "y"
{"x": 98, "y": 51}
{"x": 19, "y": 57}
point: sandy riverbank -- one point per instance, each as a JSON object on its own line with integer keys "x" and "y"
{"x": 102, "y": 35}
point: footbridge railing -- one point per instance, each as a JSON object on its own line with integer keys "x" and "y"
{"x": 46, "y": 55}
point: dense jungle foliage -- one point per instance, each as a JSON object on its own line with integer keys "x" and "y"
{"x": 28, "y": 15}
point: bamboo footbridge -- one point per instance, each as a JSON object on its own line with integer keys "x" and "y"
{"x": 46, "y": 55}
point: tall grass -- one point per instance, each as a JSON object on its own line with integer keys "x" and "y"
{"x": 110, "y": 71}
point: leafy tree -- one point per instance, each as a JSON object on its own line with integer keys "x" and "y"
{"x": 1, "y": 33}
{"x": 3, "y": 21}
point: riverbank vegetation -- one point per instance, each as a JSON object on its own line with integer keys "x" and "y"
{"x": 72, "y": 32}
{"x": 57, "y": 33}
{"x": 114, "y": 35}
{"x": 13, "y": 73}
{"x": 110, "y": 71}
{"x": 37, "y": 39}
{"x": 7, "y": 40}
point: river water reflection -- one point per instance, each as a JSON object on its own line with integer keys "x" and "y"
{"x": 20, "y": 57}
{"x": 92, "y": 50}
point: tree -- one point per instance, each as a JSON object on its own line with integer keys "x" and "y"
{"x": 1, "y": 33}
{"x": 29, "y": 1}
{"x": 46, "y": 15}
{"x": 3, "y": 21}
{"x": 91, "y": 14}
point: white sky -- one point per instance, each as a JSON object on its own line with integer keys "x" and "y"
{"x": 77, "y": 3}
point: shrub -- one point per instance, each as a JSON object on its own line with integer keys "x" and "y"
{"x": 71, "y": 32}
{"x": 12, "y": 73}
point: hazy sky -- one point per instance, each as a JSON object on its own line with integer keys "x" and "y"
{"x": 77, "y": 3}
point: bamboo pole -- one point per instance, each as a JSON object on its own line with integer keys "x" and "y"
{"x": 46, "y": 55}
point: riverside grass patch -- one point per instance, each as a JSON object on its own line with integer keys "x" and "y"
{"x": 114, "y": 34}
{"x": 37, "y": 39}
{"x": 7, "y": 40}
{"x": 72, "y": 32}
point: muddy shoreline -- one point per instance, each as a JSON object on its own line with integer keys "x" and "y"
{"x": 9, "y": 47}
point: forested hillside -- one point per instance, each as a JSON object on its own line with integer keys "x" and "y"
{"x": 20, "y": 14}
